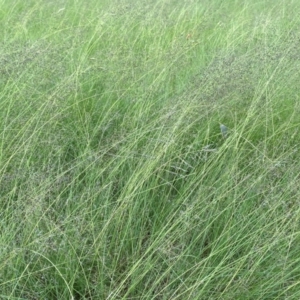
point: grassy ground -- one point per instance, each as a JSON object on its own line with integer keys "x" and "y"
{"x": 116, "y": 182}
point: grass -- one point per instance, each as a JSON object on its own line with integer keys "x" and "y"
{"x": 116, "y": 182}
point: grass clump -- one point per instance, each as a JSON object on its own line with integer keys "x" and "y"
{"x": 116, "y": 181}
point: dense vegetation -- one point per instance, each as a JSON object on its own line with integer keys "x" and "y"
{"x": 116, "y": 182}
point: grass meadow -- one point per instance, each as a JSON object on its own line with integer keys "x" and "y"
{"x": 115, "y": 179}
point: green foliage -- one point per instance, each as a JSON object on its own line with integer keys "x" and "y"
{"x": 115, "y": 179}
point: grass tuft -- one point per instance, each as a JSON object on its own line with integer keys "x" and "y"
{"x": 116, "y": 181}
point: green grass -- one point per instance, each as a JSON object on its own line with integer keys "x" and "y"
{"x": 115, "y": 180}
